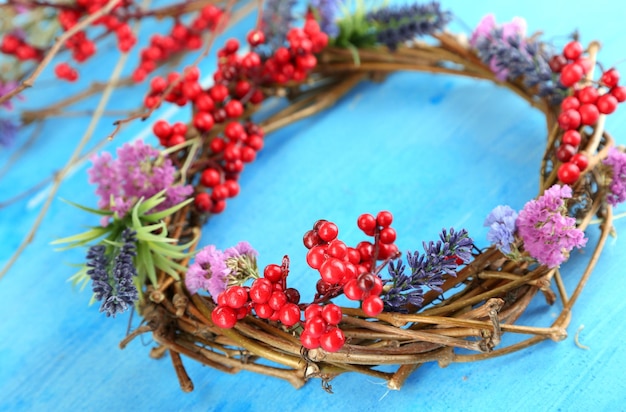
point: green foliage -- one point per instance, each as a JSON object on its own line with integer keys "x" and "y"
{"x": 155, "y": 249}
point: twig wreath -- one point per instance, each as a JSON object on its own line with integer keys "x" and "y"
{"x": 218, "y": 308}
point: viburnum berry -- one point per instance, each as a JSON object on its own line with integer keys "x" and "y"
{"x": 587, "y": 94}
{"x": 308, "y": 340}
{"x": 293, "y": 296}
{"x": 367, "y": 223}
{"x": 352, "y": 290}
{"x": 256, "y": 37}
{"x": 203, "y": 202}
{"x": 565, "y": 152}
{"x": 337, "y": 248}
{"x": 387, "y": 235}
{"x": 332, "y": 314}
{"x": 236, "y": 296}
{"x": 580, "y": 160}
{"x": 289, "y": 314}
{"x": 589, "y": 114}
{"x": 333, "y": 340}
{"x": 571, "y": 74}
{"x": 210, "y": 177}
{"x": 384, "y": 218}
{"x": 610, "y": 78}
{"x": 571, "y": 137}
{"x": 372, "y": 305}
{"x": 607, "y": 103}
{"x": 224, "y": 317}
{"x": 273, "y": 273}
{"x": 328, "y": 231}
{"x": 573, "y": 50}
{"x": 218, "y": 206}
{"x": 569, "y": 119}
{"x": 162, "y": 129}
{"x": 570, "y": 102}
{"x": 261, "y": 290}
{"x": 203, "y": 121}
{"x": 332, "y": 270}
{"x": 568, "y": 173}
{"x": 619, "y": 93}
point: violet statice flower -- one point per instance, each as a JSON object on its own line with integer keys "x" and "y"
{"x": 501, "y": 224}
{"x": 617, "y": 188}
{"x": 397, "y": 24}
{"x": 113, "y": 284}
{"x": 510, "y": 55}
{"x": 548, "y": 234}
{"x": 426, "y": 270}
{"x": 241, "y": 262}
{"x": 276, "y": 20}
{"x": 138, "y": 172}
{"x": 8, "y": 132}
{"x": 326, "y": 12}
{"x": 5, "y": 88}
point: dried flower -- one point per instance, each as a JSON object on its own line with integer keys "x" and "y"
{"x": 617, "y": 188}
{"x": 501, "y": 223}
{"x": 427, "y": 269}
{"x": 276, "y": 20}
{"x": 114, "y": 286}
{"x": 396, "y": 24}
{"x": 548, "y": 234}
{"x": 214, "y": 270}
{"x": 511, "y": 55}
{"x": 326, "y": 12}
{"x": 138, "y": 172}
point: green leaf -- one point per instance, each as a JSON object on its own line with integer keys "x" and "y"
{"x": 89, "y": 209}
{"x": 167, "y": 250}
{"x": 80, "y": 277}
{"x": 155, "y": 217}
{"x": 167, "y": 266}
{"x": 144, "y": 205}
{"x": 145, "y": 263}
{"x": 82, "y": 238}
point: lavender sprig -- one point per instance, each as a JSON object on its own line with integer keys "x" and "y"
{"x": 114, "y": 285}
{"x": 426, "y": 270}
{"x": 396, "y": 24}
{"x": 326, "y": 11}
{"x": 276, "y": 20}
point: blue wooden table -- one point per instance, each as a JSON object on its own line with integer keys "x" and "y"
{"x": 435, "y": 150}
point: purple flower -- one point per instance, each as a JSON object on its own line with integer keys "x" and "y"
{"x": 548, "y": 234}
{"x": 327, "y": 9}
{"x": 208, "y": 272}
{"x": 113, "y": 283}
{"x": 501, "y": 223}
{"x": 214, "y": 270}
{"x": 138, "y": 172}
{"x": 276, "y": 19}
{"x": 8, "y": 132}
{"x": 617, "y": 188}
{"x": 5, "y": 88}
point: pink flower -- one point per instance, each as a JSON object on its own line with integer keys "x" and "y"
{"x": 617, "y": 188}
{"x": 548, "y": 234}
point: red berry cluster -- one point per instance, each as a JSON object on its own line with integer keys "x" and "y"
{"x": 16, "y": 46}
{"x": 268, "y": 296}
{"x": 583, "y": 108}
{"x": 83, "y": 48}
{"x": 320, "y": 328}
{"x": 347, "y": 269}
{"x": 180, "y": 38}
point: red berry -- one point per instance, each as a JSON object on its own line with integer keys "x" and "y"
{"x": 235, "y": 131}
{"x": 620, "y": 93}
{"x": 289, "y": 314}
{"x": 255, "y": 142}
{"x": 367, "y": 223}
{"x": 384, "y": 218}
{"x": 311, "y": 239}
{"x": 336, "y": 248}
{"x": 571, "y": 74}
{"x": 224, "y": 317}
{"x": 257, "y": 97}
{"x": 557, "y": 62}
{"x": 571, "y": 137}
{"x": 293, "y": 295}
{"x": 277, "y": 300}
{"x": 233, "y": 187}
{"x": 607, "y": 103}
{"x": 218, "y": 206}
{"x": 256, "y": 37}
{"x": 204, "y": 103}
{"x": 220, "y": 192}
{"x": 210, "y": 177}
{"x": 387, "y": 235}
{"x": 236, "y": 296}
{"x": 366, "y": 250}
{"x": 175, "y": 139}
{"x": 261, "y": 290}
{"x": 162, "y": 129}
{"x": 569, "y": 119}
{"x": 568, "y": 173}
{"x": 332, "y": 340}
{"x": 309, "y": 341}
{"x": 191, "y": 90}
{"x": 263, "y": 310}
{"x": 234, "y": 108}
{"x": 585, "y": 64}
{"x": 570, "y": 102}
{"x": 203, "y": 202}
{"x": 352, "y": 290}
{"x": 332, "y": 270}
{"x": 231, "y": 46}
{"x": 565, "y": 152}
{"x": 587, "y": 94}
{"x": 203, "y": 121}
{"x": 218, "y": 92}
{"x": 316, "y": 326}
{"x": 179, "y": 128}
{"x": 273, "y": 273}
{"x": 580, "y": 160}
{"x": 331, "y": 313}
{"x": 589, "y": 114}
{"x": 372, "y": 305}
{"x": 610, "y": 78}
{"x": 328, "y": 231}
{"x": 353, "y": 256}
{"x": 217, "y": 145}
{"x": 572, "y": 50}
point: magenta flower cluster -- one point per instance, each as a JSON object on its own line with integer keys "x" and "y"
{"x": 617, "y": 188}
{"x": 214, "y": 270}
{"x": 548, "y": 234}
{"x": 138, "y": 172}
